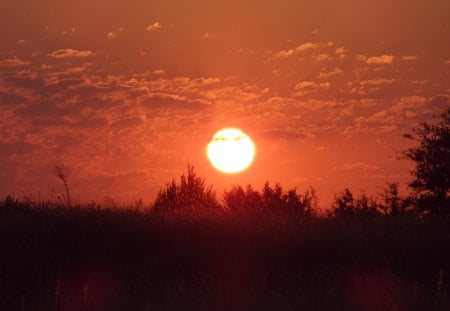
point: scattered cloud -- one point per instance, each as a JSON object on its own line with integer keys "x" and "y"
{"x": 306, "y": 87}
{"x": 311, "y": 84}
{"x": 340, "y": 50}
{"x": 362, "y": 87}
{"x": 379, "y": 81}
{"x": 403, "y": 110}
{"x": 13, "y": 62}
{"x": 113, "y": 34}
{"x": 284, "y": 133}
{"x": 22, "y": 41}
{"x": 329, "y": 74}
{"x": 159, "y": 72}
{"x": 410, "y": 57}
{"x": 70, "y": 53}
{"x": 301, "y": 48}
{"x": 322, "y": 57}
{"x": 447, "y": 62}
{"x": 420, "y": 82}
{"x": 154, "y": 26}
{"x": 363, "y": 166}
{"x": 208, "y": 35}
{"x": 376, "y": 60}
{"x": 77, "y": 69}
{"x": 68, "y": 31}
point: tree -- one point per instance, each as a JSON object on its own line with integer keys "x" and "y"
{"x": 235, "y": 199}
{"x": 344, "y": 203}
{"x": 347, "y": 205}
{"x": 393, "y": 204}
{"x": 431, "y": 174}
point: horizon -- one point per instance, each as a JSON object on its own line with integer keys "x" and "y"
{"x": 126, "y": 94}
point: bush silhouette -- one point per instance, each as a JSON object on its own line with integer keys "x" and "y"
{"x": 190, "y": 194}
{"x": 270, "y": 199}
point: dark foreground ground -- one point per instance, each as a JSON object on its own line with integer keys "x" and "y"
{"x": 99, "y": 259}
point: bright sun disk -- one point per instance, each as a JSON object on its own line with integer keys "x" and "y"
{"x": 231, "y": 150}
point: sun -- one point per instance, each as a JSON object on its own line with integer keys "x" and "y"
{"x": 231, "y": 150}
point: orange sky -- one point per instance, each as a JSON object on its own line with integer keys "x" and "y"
{"x": 125, "y": 93}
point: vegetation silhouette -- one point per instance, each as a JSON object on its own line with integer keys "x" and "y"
{"x": 62, "y": 173}
{"x": 190, "y": 194}
{"x": 97, "y": 257}
{"x": 270, "y": 200}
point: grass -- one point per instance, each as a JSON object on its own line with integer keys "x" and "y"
{"x": 94, "y": 258}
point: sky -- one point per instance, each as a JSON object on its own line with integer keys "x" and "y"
{"x": 126, "y": 93}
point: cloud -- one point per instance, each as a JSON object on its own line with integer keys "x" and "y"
{"x": 379, "y": 81}
{"x": 328, "y": 74}
{"x": 284, "y": 133}
{"x": 322, "y": 57}
{"x": 376, "y": 60}
{"x": 447, "y": 62}
{"x": 410, "y": 57}
{"x": 68, "y": 31}
{"x": 75, "y": 70}
{"x": 306, "y": 46}
{"x": 13, "y": 62}
{"x": 113, "y": 34}
{"x": 340, "y": 50}
{"x": 356, "y": 166}
{"x": 360, "y": 87}
{"x": 311, "y": 84}
{"x": 301, "y": 48}
{"x": 154, "y": 26}
{"x": 439, "y": 102}
{"x": 208, "y": 35}
{"x": 159, "y": 72}
{"x": 406, "y": 108}
{"x": 419, "y": 82}
{"x": 70, "y": 53}
{"x": 307, "y": 87}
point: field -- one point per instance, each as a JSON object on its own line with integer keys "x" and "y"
{"x": 89, "y": 257}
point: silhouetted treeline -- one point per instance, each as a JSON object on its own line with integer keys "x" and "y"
{"x": 191, "y": 194}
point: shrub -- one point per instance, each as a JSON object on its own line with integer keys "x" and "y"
{"x": 190, "y": 194}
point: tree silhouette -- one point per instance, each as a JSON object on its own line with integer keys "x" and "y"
{"x": 393, "y": 203}
{"x": 431, "y": 174}
{"x": 344, "y": 203}
{"x": 239, "y": 200}
{"x": 347, "y": 205}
